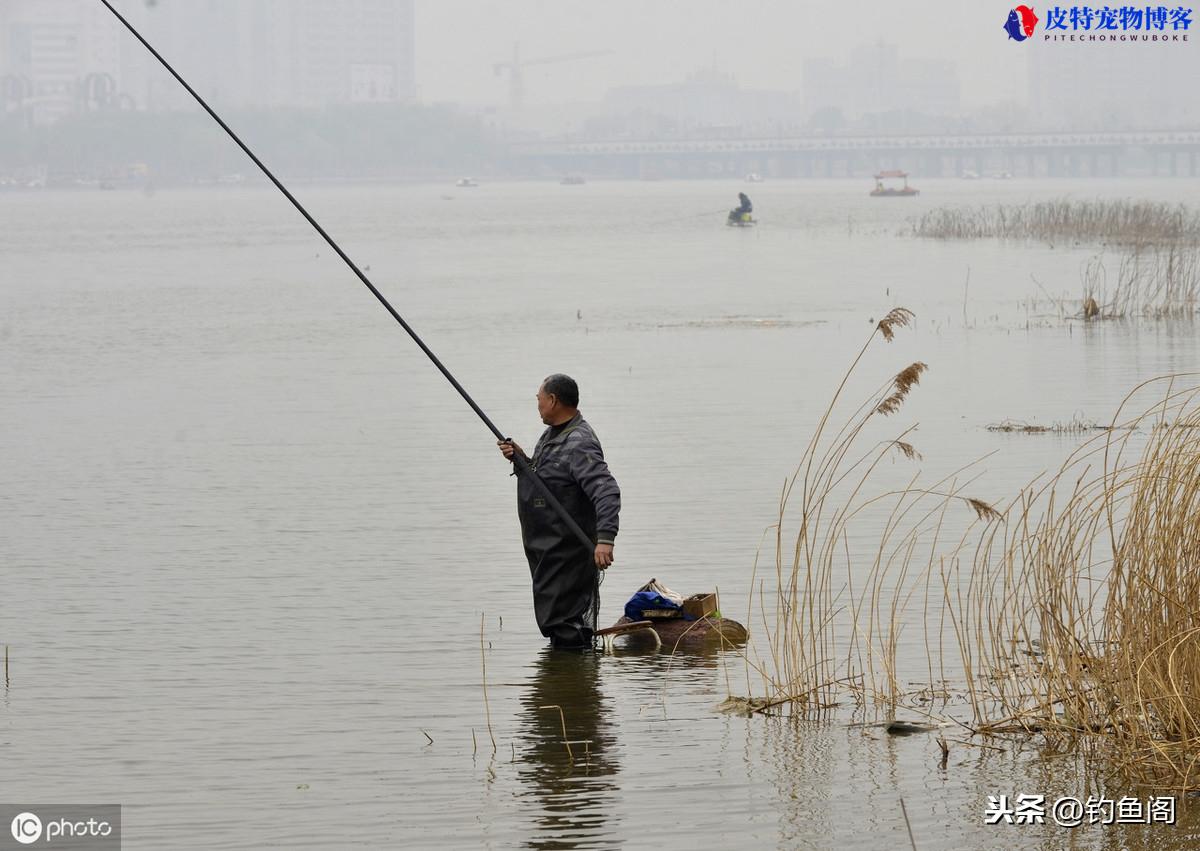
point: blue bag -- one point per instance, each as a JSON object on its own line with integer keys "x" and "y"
{"x": 644, "y": 600}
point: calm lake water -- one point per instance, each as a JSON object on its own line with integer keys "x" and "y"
{"x": 248, "y": 534}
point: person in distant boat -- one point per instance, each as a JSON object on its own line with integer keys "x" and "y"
{"x": 741, "y": 212}
{"x": 569, "y": 459}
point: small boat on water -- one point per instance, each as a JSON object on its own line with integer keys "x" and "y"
{"x": 465, "y": 182}
{"x": 741, "y": 220}
{"x": 573, "y": 180}
{"x": 754, "y": 177}
{"x": 882, "y": 191}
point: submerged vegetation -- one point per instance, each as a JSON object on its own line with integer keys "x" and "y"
{"x": 1119, "y": 222}
{"x": 1072, "y": 612}
{"x": 1157, "y": 282}
{"x": 1156, "y": 269}
{"x": 1075, "y": 425}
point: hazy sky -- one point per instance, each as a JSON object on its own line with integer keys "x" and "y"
{"x": 765, "y": 42}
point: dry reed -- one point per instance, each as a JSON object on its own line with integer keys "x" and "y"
{"x": 1115, "y": 221}
{"x": 1157, "y": 269}
{"x": 487, "y": 711}
{"x": 563, "y": 718}
{"x": 1152, "y": 281}
{"x": 1072, "y": 612}
{"x": 1104, "y": 600}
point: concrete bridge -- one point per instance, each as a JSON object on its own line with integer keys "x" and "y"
{"x": 1168, "y": 153}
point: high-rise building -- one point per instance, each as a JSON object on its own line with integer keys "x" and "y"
{"x": 876, "y": 80}
{"x": 285, "y": 52}
{"x": 1112, "y": 85}
{"x": 60, "y": 56}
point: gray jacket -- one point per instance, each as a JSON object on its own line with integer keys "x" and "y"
{"x": 573, "y": 460}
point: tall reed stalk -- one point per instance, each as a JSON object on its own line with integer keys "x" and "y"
{"x": 1071, "y": 613}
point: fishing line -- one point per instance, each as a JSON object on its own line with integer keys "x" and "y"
{"x": 677, "y": 219}
{"x": 521, "y": 463}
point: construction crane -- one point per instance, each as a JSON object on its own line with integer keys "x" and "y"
{"x": 516, "y": 70}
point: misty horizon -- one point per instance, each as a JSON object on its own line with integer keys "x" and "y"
{"x": 586, "y": 60}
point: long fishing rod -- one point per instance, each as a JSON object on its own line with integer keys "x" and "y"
{"x": 518, "y": 459}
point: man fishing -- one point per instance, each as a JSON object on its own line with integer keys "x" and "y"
{"x": 742, "y": 211}
{"x": 568, "y": 457}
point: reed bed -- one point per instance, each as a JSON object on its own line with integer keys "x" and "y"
{"x": 1072, "y": 612}
{"x": 1098, "y": 645}
{"x": 1121, "y": 222}
{"x": 1152, "y": 281}
{"x": 1156, "y": 270}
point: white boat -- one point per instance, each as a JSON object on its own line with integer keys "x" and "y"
{"x": 465, "y": 182}
{"x": 754, "y": 177}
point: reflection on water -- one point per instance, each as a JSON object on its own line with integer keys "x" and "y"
{"x": 238, "y": 505}
{"x": 569, "y": 780}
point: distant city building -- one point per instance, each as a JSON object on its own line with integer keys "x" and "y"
{"x": 1112, "y": 86}
{"x": 876, "y": 80}
{"x": 707, "y": 102}
{"x": 57, "y": 57}
{"x": 286, "y": 52}
{"x": 62, "y": 56}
